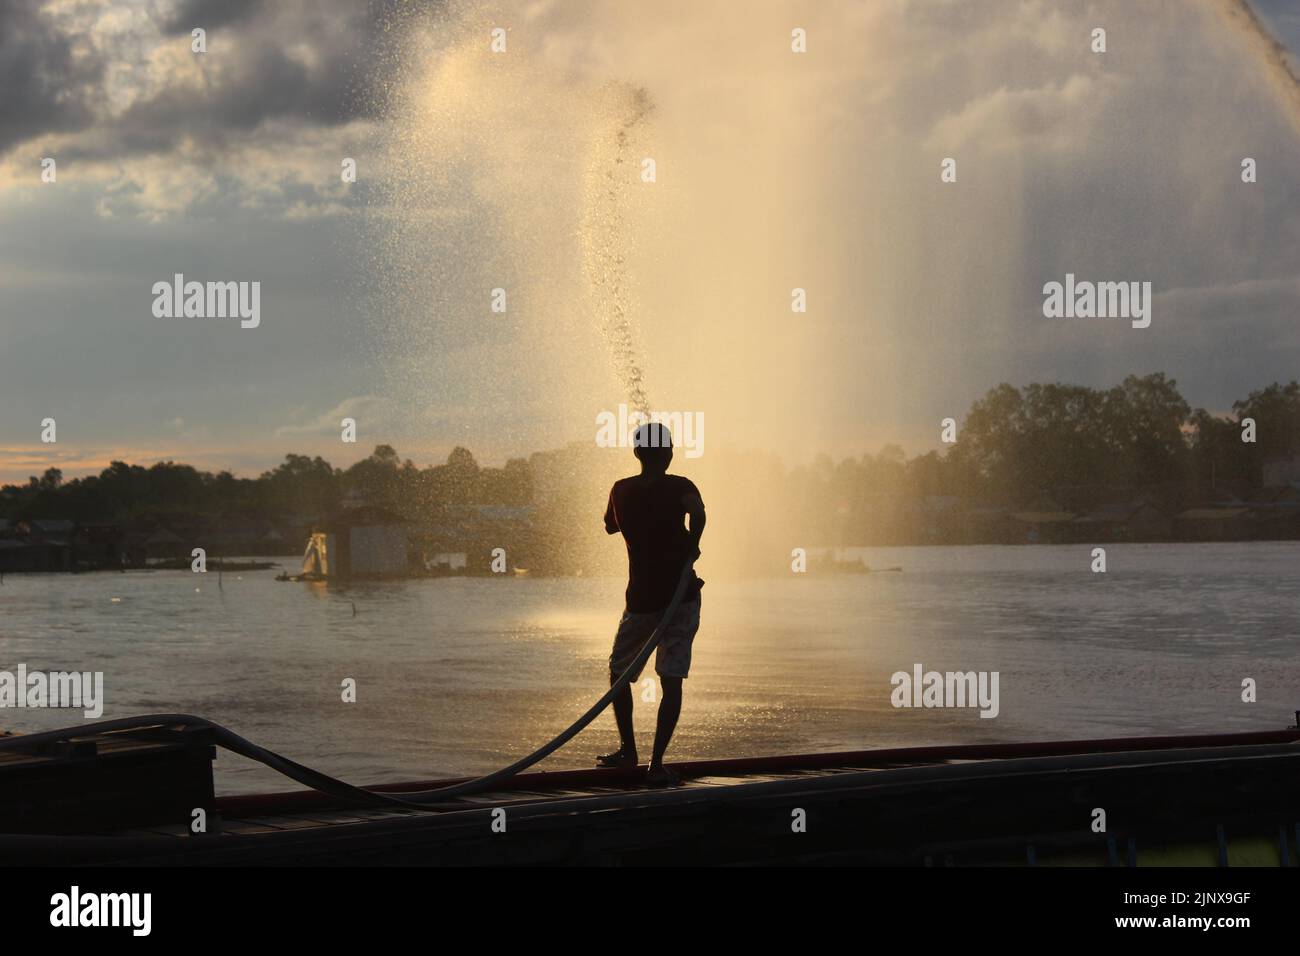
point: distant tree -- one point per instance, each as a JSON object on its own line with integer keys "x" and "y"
{"x": 299, "y": 484}
{"x": 1218, "y": 458}
{"x": 1221, "y": 460}
{"x": 1074, "y": 442}
{"x": 1276, "y": 411}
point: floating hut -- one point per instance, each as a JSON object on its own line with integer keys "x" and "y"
{"x": 358, "y": 543}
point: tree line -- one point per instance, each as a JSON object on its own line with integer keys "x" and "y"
{"x": 1076, "y": 445}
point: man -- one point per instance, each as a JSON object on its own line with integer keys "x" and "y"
{"x": 648, "y": 509}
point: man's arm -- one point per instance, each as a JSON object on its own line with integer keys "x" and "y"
{"x": 694, "y": 506}
{"x": 611, "y": 516}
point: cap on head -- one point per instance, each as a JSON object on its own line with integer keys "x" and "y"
{"x": 652, "y": 443}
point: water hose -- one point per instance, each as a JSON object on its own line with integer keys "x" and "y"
{"x": 347, "y": 792}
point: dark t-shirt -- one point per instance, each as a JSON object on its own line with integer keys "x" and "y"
{"x": 651, "y": 516}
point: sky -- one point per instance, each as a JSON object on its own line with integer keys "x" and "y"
{"x": 776, "y": 170}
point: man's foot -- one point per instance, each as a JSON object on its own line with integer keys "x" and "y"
{"x": 661, "y": 776}
{"x": 620, "y": 759}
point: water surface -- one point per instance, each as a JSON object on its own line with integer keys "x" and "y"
{"x": 461, "y": 675}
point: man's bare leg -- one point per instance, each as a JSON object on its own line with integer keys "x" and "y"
{"x": 626, "y": 755}
{"x": 670, "y": 708}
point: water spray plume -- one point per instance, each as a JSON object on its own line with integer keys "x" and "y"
{"x": 1273, "y": 55}
{"x": 520, "y": 171}
{"x": 508, "y": 174}
{"x": 607, "y": 242}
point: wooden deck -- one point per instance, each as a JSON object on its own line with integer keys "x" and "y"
{"x": 1222, "y": 799}
{"x": 105, "y": 779}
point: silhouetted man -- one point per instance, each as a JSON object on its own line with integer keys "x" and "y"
{"x": 648, "y": 509}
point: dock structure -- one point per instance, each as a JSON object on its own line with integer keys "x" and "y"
{"x": 130, "y": 797}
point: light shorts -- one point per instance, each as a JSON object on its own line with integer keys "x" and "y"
{"x": 672, "y": 656}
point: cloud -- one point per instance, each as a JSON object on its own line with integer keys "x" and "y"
{"x": 115, "y": 94}
{"x": 1248, "y": 305}
{"x": 49, "y": 82}
{"x": 189, "y": 14}
{"x": 1048, "y": 117}
{"x": 368, "y": 410}
{"x": 819, "y": 171}
{"x": 188, "y": 432}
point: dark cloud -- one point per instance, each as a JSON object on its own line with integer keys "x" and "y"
{"x": 250, "y": 79}
{"x": 44, "y": 87}
{"x": 208, "y": 14}
{"x": 266, "y": 85}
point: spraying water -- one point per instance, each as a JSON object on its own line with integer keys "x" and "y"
{"x": 503, "y": 240}
{"x": 517, "y": 173}
{"x": 608, "y": 244}
{"x": 1273, "y": 56}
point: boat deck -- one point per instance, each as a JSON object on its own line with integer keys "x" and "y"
{"x": 1227, "y": 799}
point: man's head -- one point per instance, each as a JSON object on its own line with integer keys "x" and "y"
{"x": 652, "y": 444}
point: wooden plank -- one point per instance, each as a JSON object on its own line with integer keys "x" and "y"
{"x": 717, "y": 781}
{"x": 490, "y": 799}
{"x": 368, "y": 814}
{"x": 518, "y": 795}
{"x": 327, "y": 818}
{"x": 246, "y": 828}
